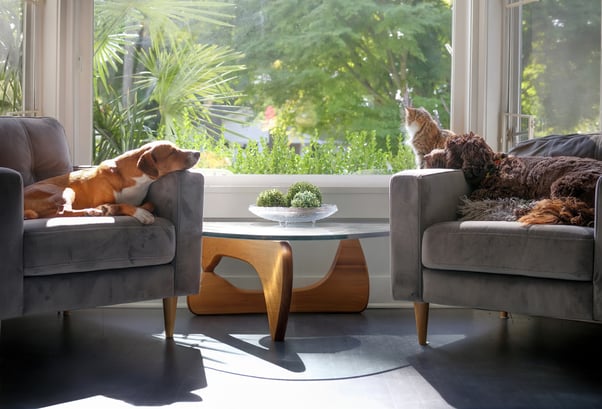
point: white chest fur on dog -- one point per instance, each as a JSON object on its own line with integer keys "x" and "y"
{"x": 135, "y": 194}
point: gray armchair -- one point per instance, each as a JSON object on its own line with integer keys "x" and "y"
{"x": 543, "y": 270}
{"x": 70, "y": 263}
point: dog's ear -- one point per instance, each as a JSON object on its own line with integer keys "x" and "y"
{"x": 477, "y": 159}
{"x": 454, "y": 146}
{"x": 437, "y": 158}
{"x": 148, "y": 165}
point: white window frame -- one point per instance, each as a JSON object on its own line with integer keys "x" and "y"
{"x": 476, "y": 85}
{"x": 511, "y": 97}
{"x": 58, "y": 68}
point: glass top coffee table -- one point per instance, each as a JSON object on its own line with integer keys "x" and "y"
{"x": 266, "y": 247}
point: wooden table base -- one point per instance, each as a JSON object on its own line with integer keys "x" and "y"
{"x": 345, "y": 288}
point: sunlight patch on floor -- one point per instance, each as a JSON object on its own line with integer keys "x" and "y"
{"x": 307, "y": 358}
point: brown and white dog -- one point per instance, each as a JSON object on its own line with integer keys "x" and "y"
{"x": 116, "y": 187}
{"x": 564, "y": 186}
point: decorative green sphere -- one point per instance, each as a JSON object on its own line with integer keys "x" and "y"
{"x": 272, "y": 198}
{"x": 305, "y": 199}
{"x": 298, "y": 187}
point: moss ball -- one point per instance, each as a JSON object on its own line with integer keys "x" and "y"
{"x": 271, "y": 198}
{"x": 298, "y": 187}
{"x": 305, "y": 199}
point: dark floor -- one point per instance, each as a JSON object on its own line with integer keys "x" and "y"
{"x": 117, "y": 358}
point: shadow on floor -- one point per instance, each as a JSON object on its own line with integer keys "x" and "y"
{"x": 523, "y": 362}
{"x": 474, "y": 360}
{"x": 50, "y": 359}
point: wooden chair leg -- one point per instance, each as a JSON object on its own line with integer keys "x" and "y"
{"x": 504, "y": 315}
{"x": 421, "y": 315}
{"x": 169, "y": 315}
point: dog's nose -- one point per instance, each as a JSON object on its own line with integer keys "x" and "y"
{"x": 194, "y": 157}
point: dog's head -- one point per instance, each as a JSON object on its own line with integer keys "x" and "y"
{"x": 468, "y": 152}
{"x": 162, "y": 157}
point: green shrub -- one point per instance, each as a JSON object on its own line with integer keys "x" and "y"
{"x": 358, "y": 153}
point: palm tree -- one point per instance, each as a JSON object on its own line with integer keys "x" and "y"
{"x": 149, "y": 72}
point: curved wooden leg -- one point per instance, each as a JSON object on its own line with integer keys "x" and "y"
{"x": 345, "y": 288}
{"x": 421, "y": 314}
{"x": 273, "y": 262}
{"x": 169, "y": 315}
{"x": 276, "y": 275}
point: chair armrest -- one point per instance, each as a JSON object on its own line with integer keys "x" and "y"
{"x": 418, "y": 199}
{"x": 11, "y": 243}
{"x": 179, "y": 197}
{"x": 598, "y": 253}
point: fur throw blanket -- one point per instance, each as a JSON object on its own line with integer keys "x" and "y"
{"x": 564, "y": 187}
{"x": 507, "y": 209}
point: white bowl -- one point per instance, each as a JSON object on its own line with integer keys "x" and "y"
{"x": 293, "y": 214}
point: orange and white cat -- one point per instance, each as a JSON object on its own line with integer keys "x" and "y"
{"x": 424, "y": 132}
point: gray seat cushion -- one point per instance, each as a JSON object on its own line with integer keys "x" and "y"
{"x": 76, "y": 244}
{"x": 510, "y": 248}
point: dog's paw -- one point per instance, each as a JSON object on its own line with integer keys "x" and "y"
{"x": 30, "y": 214}
{"x": 144, "y": 216}
{"x": 94, "y": 212}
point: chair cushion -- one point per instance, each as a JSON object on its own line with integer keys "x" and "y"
{"x": 581, "y": 145}
{"x": 499, "y": 247}
{"x": 35, "y": 147}
{"x": 76, "y": 244}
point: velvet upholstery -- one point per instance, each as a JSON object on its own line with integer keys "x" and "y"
{"x": 581, "y": 145}
{"x": 510, "y": 248}
{"x": 545, "y": 270}
{"x": 81, "y": 262}
{"x": 78, "y": 244}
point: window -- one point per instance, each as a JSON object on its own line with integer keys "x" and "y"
{"x": 556, "y": 58}
{"x": 317, "y": 74}
{"x": 11, "y": 56}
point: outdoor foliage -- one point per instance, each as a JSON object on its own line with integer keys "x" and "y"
{"x": 150, "y": 72}
{"x": 561, "y": 65}
{"x": 11, "y": 93}
{"x": 332, "y": 73}
{"x": 357, "y": 153}
{"x": 338, "y": 66}
{"x": 176, "y": 69}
